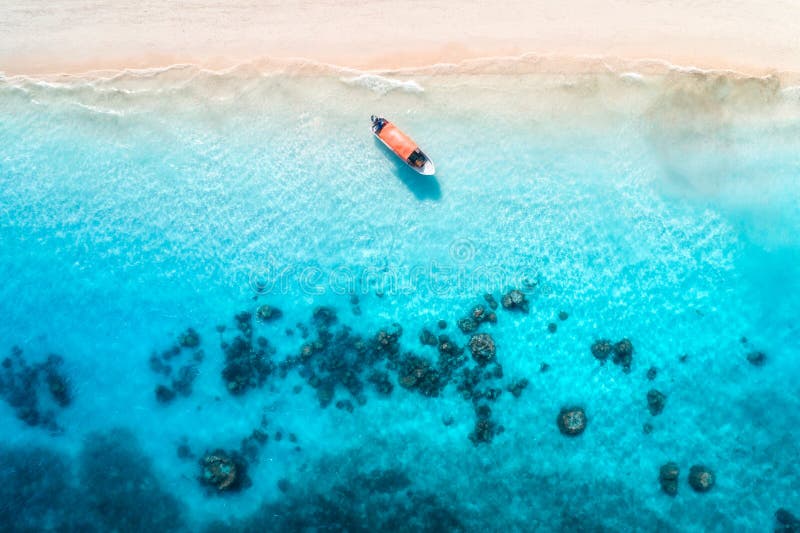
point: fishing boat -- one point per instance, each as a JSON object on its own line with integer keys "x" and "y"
{"x": 402, "y": 145}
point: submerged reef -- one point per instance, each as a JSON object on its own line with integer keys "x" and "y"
{"x": 515, "y": 300}
{"x": 786, "y": 522}
{"x": 668, "y": 478}
{"x": 757, "y": 358}
{"x": 482, "y": 348}
{"x": 36, "y": 392}
{"x": 110, "y": 486}
{"x": 361, "y": 502}
{"x": 516, "y": 387}
{"x": 419, "y": 374}
{"x": 345, "y": 369}
{"x": 267, "y": 313}
{"x": 477, "y": 316}
{"x": 655, "y": 402}
{"x": 189, "y": 339}
{"x": 247, "y": 364}
{"x": 571, "y": 421}
{"x": 186, "y": 353}
{"x": 36, "y": 490}
{"x": 621, "y": 352}
{"x": 224, "y": 471}
{"x": 335, "y": 360}
{"x": 485, "y": 428}
{"x": 701, "y": 478}
{"x": 601, "y": 349}
{"x": 121, "y": 482}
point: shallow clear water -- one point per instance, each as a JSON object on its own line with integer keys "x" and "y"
{"x": 662, "y": 209}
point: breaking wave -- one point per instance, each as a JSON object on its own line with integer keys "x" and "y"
{"x": 382, "y": 85}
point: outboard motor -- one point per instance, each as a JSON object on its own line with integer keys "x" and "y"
{"x": 377, "y": 123}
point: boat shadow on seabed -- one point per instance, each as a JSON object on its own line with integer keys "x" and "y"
{"x": 422, "y": 187}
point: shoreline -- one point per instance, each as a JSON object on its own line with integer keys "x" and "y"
{"x": 426, "y": 66}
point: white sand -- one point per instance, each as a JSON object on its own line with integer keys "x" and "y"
{"x": 47, "y": 36}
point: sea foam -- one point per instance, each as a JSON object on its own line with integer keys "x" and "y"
{"x": 382, "y": 84}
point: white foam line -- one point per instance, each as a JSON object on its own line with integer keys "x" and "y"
{"x": 95, "y": 109}
{"x": 295, "y": 65}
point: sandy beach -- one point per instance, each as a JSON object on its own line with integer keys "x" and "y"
{"x": 41, "y": 37}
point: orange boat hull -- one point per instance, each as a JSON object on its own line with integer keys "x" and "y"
{"x": 405, "y": 148}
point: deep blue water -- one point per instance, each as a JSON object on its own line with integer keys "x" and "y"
{"x": 661, "y": 210}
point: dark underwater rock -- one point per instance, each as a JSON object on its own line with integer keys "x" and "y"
{"x": 515, "y": 300}
{"x": 517, "y": 387}
{"x": 189, "y": 339}
{"x": 623, "y": 354}
{"x": 757, "y": 358}
{"x": 786, "y": 522}
{"x": 447, "y": 348}
{"x": 563, "y": 315}
{"x": 483, "y": 432}
{"x": 571, "y": 421}
{"x": 324, "y": 316}
{"x": 325, "y": 393}
{"x": 267, "y": 313}
{"x": 427, "y": 338}
{"x": 483, "y": 348}
{"x": 451, "y": 357}
{"x": 57, "y": 383}
{"x": 478, "y": 315}
{"x": 345, "y": 405}
{"x": 652, "y": 372}
{"x": 246, "y": 366}
{"x": 182, "y": 384}
{"x": 485, "y": 428}
{"x": 602, "y": 349}
{"x": 419, "y": 374}
{"x": 668, "y": 478}
{"x": 35, "y": 391}
{"x": 244, "y": 323}
{"x": 467, "y": 325}
{"x": 382, "y": 383}
{"x": 552, "y": 327}
{"x": 701, "y": 478}
{"x": 223, "y": 471}
{"x": 164, "y": 394}
{"x": 184, "y": 452}
{"x": 490, "y": 301}
{"x": 655, "y": 401}
{"x": 386, "y": 342}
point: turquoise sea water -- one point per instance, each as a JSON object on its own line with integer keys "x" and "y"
{"x": 657, "y": 208}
